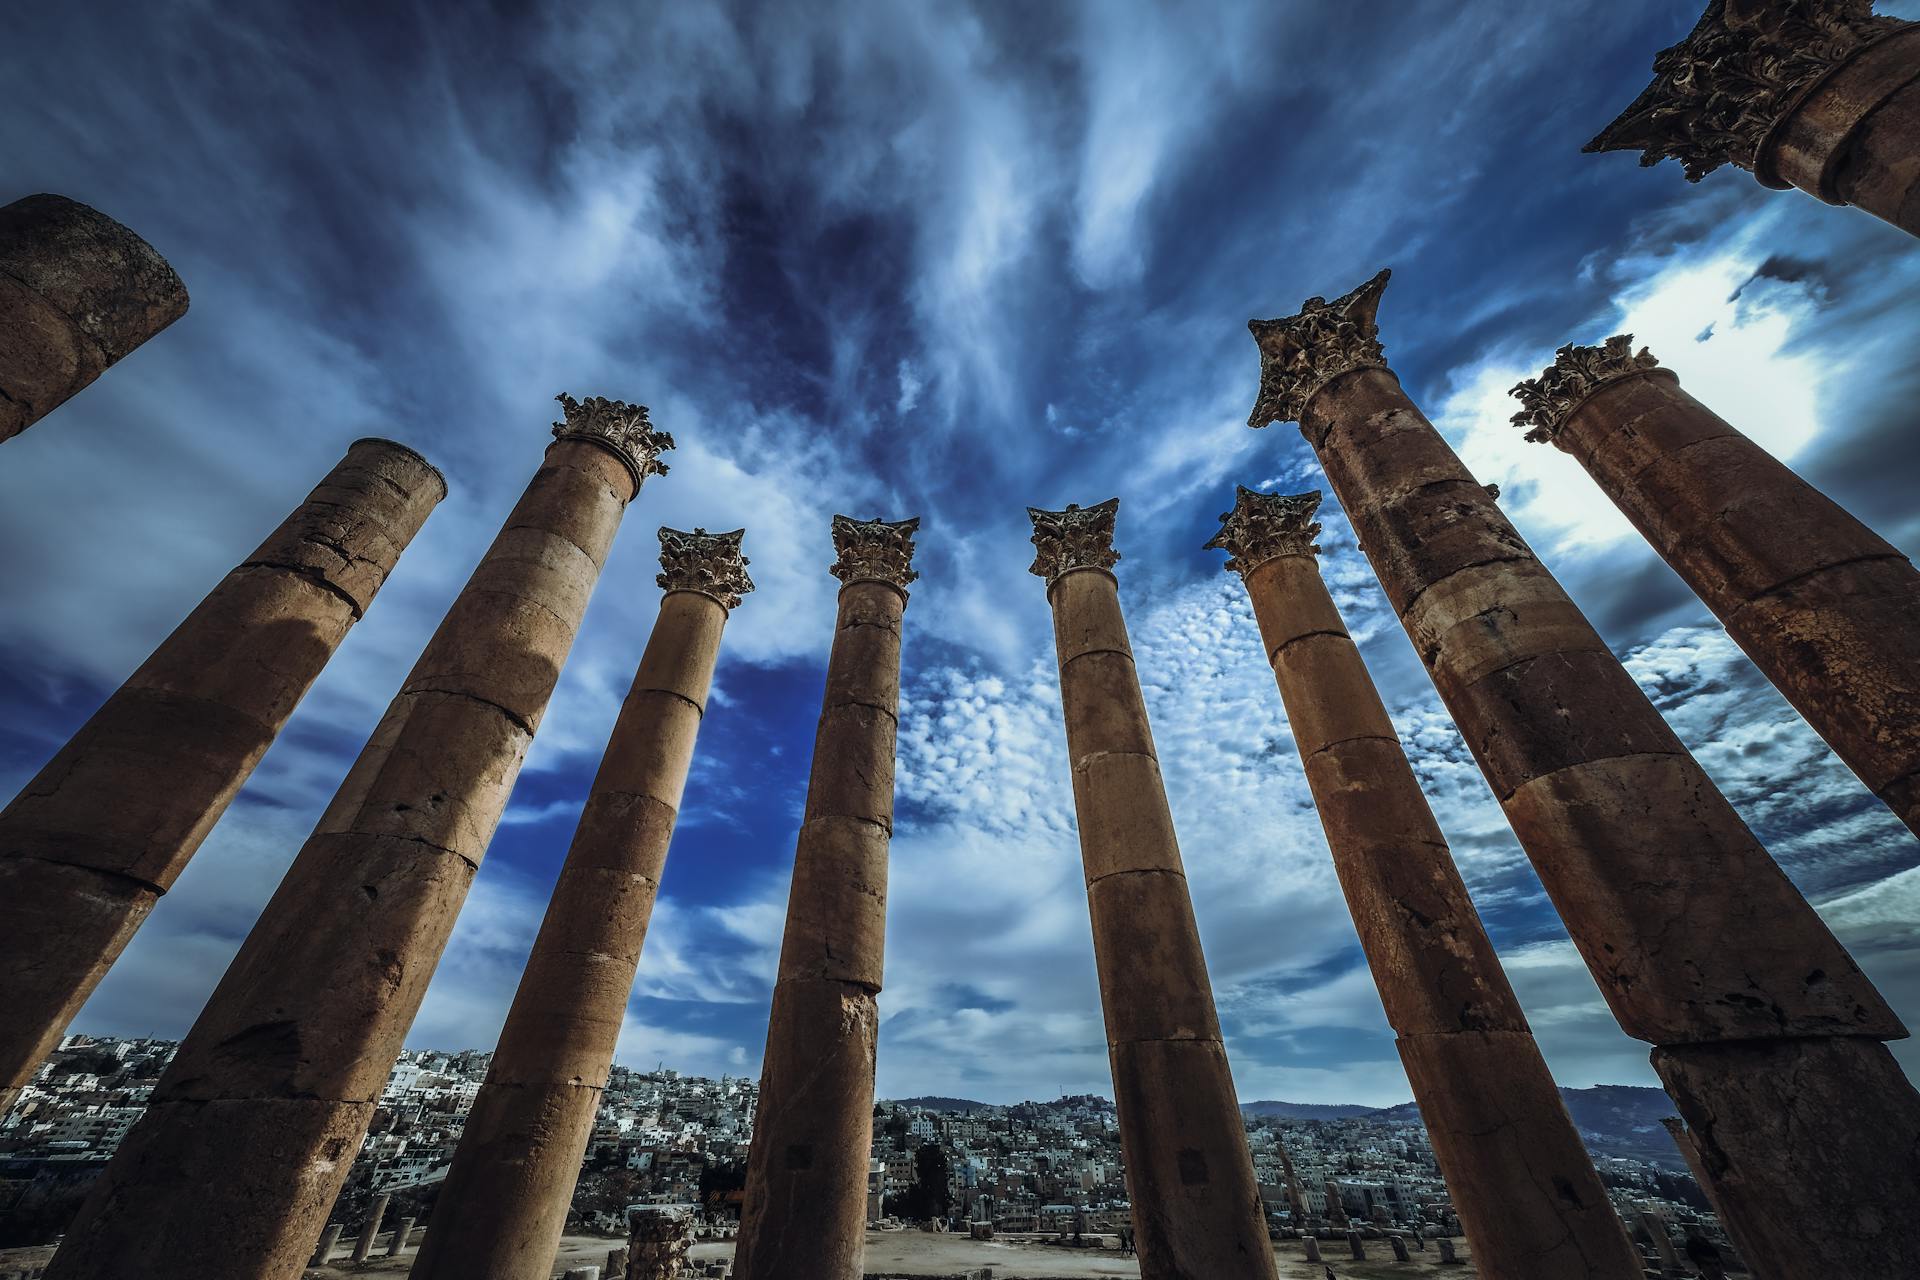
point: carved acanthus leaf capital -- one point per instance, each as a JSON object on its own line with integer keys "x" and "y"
{"x": 874, "y": 550}
{"x": 1576, "y": 373}
{"x": 1264, "y": 525}
{"x": 619, "y": 427}
{"x": 1304, "y": 352}
{"x": 1743, "y": 68}
{"x": 1077, "y": 538}
{"x": 709, "y": 563}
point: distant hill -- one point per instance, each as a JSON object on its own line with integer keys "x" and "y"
{"x": 1313, "y": 1110}
{"x": 1615, "y": 1119}
{"x": 960, "y": 1105}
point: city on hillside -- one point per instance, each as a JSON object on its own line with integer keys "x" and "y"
{"x": 664, "y": 1138}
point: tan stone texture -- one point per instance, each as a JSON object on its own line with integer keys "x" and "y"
{"x": 1697, "y": 939}
{"x": 296, "y": 1153}
{"x": 77, "y": 292}
{"x": 1520, "y": 1178}
{"x": 805, "y": 1207}
{"x": 295, "y": 1044}
{"x": 1195, "y": 1203}
{"x": 1827, "y": 609}
{"x": 805, "y": 1210}
{"x": 519, "y": 1156}
{"x": 500, "y": 1213}
{"x": 1852, "y": 139}
{"x": 1196, "y": 1207}
{"x": 1834, "y": 1195}
{"x": 106, "y": 827}
{"x": 1153, "y": 977}
{"x": 1555, "y": 727}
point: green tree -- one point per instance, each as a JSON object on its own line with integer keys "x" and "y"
{"x": 931, "y": 1195}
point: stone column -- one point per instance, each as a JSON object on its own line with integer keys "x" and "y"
{"x": 1816, "y": 94}
{"x": 363, "y": 1247}
{"x": 1520, "y": 1177}
{"x": 77, "y": 292}
{"x": 1336, "y": 1207}
{"x": 1196, "y": 1204}
{"x": 253, "y": 1127}
{"x": 658, "y": 1240}
{"x": 1828, "y": 611}
{"x": 323, "y": 1252}
{"x": 504, "y": 1204}
{"x": 401, "y": 1235}
{"x": 805, "y": 1207}
{"x": 108, "y": 825}
{"x": 1766, "y": 1032}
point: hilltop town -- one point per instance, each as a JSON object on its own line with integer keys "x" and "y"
{"x": 662, "y": 1137}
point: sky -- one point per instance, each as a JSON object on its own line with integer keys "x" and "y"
{"x": 930, "y": 259}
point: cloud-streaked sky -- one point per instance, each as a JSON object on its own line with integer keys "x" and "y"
{"x": 930, "y": 259}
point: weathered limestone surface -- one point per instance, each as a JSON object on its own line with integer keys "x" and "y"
{"x": 805, "y": 1207}
{"x": 504, "y": 1204}
{"x": 253, "y": 1127}
{"x": 1196, "y": 1206}
{"x": 1826, "y": 608}
{"x": 108, "y": 825}
{"x": 1520, "y": 1177}
{"x": 77, "y": 292}
{"x": 1737, "y": 1097}
{"x": 1696, "y": 938}
{"x": 1822, "y": 95}
{"x": 659, "y": 1237}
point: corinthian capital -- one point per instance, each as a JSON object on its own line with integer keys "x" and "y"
{"x": 1264, "y": 525}
{"x": 874, "y": 551}
{"x": 1304, "y": 352}
{"x": 709, "y": 563}
{"x": 1077, "y": 538}
{"x": 1743, "y": 68}
{"x": 618, "y": 427}
{"x": 1575, "y": 374}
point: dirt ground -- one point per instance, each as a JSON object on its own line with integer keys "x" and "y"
{"x": 919, "y": 1253}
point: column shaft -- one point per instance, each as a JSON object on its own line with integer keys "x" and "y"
{"x": 805, "y": 1209}
{"x": 1522, "y": 1181}
{"x": 1823, "y": 95}
{"x": 107, "y": 826}
{"x": 363, "y": 1247}
{"x": 504, "y": 1204}
{"x": 1855, "y": 138}
{"x": 253, "y": 1127}
{"x": 1196, "y": 1205}
{"x": 77, "y": 292}
{"x": 1827, "y": 610}
{"x": 1696, "y": 938}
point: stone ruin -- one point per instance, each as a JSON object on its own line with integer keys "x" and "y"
{"x": 658, "y": 1239}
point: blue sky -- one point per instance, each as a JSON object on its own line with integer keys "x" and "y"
{"x": 938, "y": 260}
